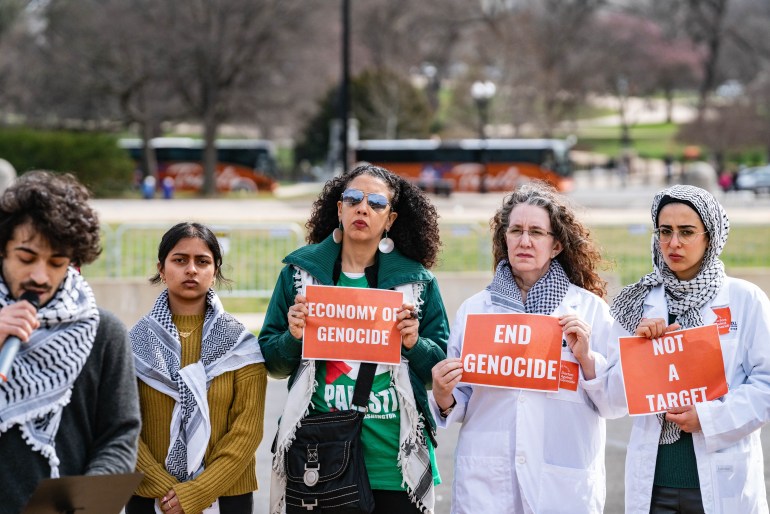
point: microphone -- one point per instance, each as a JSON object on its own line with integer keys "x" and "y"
{"x": 12, "y": 343}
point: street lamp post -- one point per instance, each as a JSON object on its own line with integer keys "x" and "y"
{"x": 482, "y": 93}
{"x": 345, "y": 86}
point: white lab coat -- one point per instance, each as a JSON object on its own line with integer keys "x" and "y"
{"x": 528, "y": 451}
{"x": 728, "y": 449}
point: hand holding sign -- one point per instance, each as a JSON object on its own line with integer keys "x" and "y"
{"x": 408, "y": 325}
{"x": 654, "y": 327}
{"x": 446, "y": 375}
{"x": 577, "y": 333}
{"x": 296, "y": 316}
{"x": 685, "y": 417}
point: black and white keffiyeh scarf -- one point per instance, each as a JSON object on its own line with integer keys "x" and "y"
{"x": 684, "y": 298}
{"x": 46, "y": 367}
{"x": 226, "y": 346}
{"x": 544, "y": 297}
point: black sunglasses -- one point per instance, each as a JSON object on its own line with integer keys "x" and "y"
{"x": 376, "y": 201}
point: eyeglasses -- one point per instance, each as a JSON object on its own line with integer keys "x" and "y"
{"x": 535, "y": 234}
{"x": 376, "y": 201}
{"x": 685, "y": 236}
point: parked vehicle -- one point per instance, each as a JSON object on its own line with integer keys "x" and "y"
{"x": 472, "y": 164}
{"x": 754, "y": 179}
{"x": 242, "y": 164}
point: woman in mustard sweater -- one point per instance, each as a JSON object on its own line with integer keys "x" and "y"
{"x": 201, "y": 387}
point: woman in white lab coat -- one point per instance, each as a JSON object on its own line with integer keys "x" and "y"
{"x": 707, "y": 457}
{"x": 525, "y": 451}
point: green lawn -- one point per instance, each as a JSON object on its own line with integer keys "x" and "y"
{"x": 654, "y": 140}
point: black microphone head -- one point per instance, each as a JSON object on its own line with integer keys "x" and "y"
{"x": 32, "y": 297}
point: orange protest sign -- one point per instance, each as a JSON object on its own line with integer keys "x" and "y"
{"x": 681, "y": 368}
{"x": 570, "y": 375}
{"x": 353, "y": 324}
{"x": 521, "y": 351}
{"x": 724, "y": 319}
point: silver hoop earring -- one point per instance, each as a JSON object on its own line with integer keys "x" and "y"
{"x": 386, "y": 244}
{"x": 337, "y": 234}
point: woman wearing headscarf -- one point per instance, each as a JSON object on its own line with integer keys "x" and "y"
{"x": 705, "y": 457}
{"x": 372, "y": 229}
{"x": 202, "y": 385}
{"x": 523, "y": 451}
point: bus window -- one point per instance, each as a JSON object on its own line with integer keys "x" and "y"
{"x": 242, "y": 164}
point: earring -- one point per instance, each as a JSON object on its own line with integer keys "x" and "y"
{"x": 386, "y": 244}
{"x": 163, "y": 279}
{"x": 337, "y": 234}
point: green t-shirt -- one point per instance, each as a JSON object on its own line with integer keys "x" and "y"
{"x": 381, "y": 429}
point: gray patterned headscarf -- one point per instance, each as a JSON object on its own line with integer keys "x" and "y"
{"x": 684, "y": 297}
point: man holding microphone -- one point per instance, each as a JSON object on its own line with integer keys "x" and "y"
{"x": 68, "y": 400}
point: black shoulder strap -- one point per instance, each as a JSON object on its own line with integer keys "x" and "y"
{"x": 364, "y": 384}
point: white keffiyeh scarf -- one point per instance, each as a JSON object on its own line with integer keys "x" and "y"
{"x": 226, "y": 346}
{"x": 46, "y": 367}
{"x": 684, "y": 298}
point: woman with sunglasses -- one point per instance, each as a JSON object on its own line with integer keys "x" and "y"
{"x": 522, "y": 451}
{"x": 705, "y": 457}
{"x": 369, "y": 228}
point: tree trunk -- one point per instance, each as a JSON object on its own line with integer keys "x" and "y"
{"x": 210, "y": 129}
{"x": 712, "y": 16}
{"x": 149, "y": 163}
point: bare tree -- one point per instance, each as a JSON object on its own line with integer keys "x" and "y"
{"x": 218, "y": 48}
{"x": 543, "y": 51}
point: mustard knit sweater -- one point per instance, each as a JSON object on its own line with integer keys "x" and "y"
{"x": 237, "y": 405}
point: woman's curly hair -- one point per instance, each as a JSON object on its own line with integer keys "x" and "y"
{"x": 415, "y": 231}
{"x": 57, "y": 207}
{"x": 579, "y": 256}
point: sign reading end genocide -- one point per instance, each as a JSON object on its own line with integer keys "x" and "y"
{"x": 681, "y": 368}
{"x": 521, "y": 351}
{"x": 352, "y": 324}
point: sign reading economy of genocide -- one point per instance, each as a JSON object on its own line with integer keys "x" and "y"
{"x": 681, "y": 368}
{"x": 353, "y": 324}
{"x": 521, "y": 351}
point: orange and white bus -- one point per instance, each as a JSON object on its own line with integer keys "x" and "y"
{"x": 242, "y": 164}
{"x": 460, "y": 165}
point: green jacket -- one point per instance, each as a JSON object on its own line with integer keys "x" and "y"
{"x": 283, "y": 352}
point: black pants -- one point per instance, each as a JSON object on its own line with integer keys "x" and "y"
{"x": 241, "y": 504}
{"x": 390, "y": 502}
{"x": 671, "y": 500}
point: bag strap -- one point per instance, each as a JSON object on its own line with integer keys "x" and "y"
{"x": 364, "y": 384}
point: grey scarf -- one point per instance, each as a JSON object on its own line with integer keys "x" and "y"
{"x": 544, "y": 297}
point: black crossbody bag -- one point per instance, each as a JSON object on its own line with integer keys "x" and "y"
{"x": 324, "y": 465}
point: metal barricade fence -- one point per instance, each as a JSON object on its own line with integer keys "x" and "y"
{"x": 252, "y": 253}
